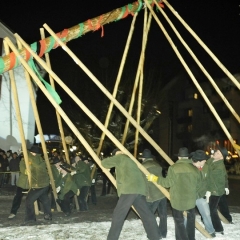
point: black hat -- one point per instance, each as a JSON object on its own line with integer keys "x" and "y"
{"x": 56, "y": 160}
{"x": 35, "y": 149}
{"x": 146, "y": 153}
{"x": 199, "y": 155}
{"x": 114, "y": 151}
{"x": 183, "y": 152}
{"x": 224, "y": 152}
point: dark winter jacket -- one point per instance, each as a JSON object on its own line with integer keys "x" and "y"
{"x": 14, "y": 164}
{"x": 129, "y": 177}
{"x": 183, "y": 180}
{"x": 153, "y": 167}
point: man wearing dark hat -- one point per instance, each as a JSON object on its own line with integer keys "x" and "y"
{"x": 218, "y": 185}
{"x": 156, "y": 199}
{"x": 183, "y": 180}
{"x": 39, "y": 186}
{"x": 132, "y": 190}
{"x": 199, "y": 159}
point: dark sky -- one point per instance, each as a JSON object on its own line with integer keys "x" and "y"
{"x": 217, "y": 23}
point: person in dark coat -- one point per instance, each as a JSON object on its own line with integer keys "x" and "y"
{"x": 3, "y": 168}
{"x": 183, "y": 179}
{"x": 156, "y": 199}
{"x": 14, "y": 168}
{"x": 132, "y": 190}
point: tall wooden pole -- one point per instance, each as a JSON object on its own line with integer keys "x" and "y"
{"x": 202, "y": 67}
{"x": 217, "y": 61}
{"x": 123, "y": 61}
{"x": 136, "y": 82}
{"x": 193, "y": 77}
{"x": 74, "y": 32}
{"x": 18, "y": 115}
{"x": 140, "y": 89}
{"x": 60, "y": 126}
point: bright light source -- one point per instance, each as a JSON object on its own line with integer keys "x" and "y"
{"x": 74, "y": 148}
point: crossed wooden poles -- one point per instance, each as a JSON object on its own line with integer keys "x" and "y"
{"x": 138, "y": 82}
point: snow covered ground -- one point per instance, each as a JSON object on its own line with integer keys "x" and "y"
{"x": 132, "y": 230}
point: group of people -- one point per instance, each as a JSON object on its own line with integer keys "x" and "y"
{"x": 195, "y": 180}
{"x": 9, "y": 167}
{"x": 69, "y": 180}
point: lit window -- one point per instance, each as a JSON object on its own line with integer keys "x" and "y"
{"x": 190, "y": 128}
{"x": 195, "y": 96}
{"x": 190, "y": 112}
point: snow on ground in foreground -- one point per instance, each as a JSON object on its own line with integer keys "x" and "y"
{"x": 132, "y": 230}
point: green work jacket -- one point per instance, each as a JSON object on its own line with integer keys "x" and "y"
{"x": 218, "y": 178}
{"x": 153, "y": 167}
{"x": 183, "y": 180}
{"x": 129, "y": 178}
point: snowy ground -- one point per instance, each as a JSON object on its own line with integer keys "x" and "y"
{"x": 132, "y": 230}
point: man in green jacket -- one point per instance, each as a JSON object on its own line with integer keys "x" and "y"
{"x": 199, "y": 159}
{"x": 66, "y": 189}
{"x": 39, "y": 186}
{"x": 82, "y": 177}
{"x": 183, "y": 180}
{"x": 218, "y": 185}
{"x": 156, "y": 200}
{"x": 132, "y": 190}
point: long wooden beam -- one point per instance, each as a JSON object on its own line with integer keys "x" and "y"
{"x": 43, "y": 46}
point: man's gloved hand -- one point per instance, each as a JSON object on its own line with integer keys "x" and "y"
{"x": 226, "y": 191}
{"x": 73, "y": 172}
{"x": 152, "y": 178}
{"x": 93, "y": 181}
{"x": 58, "y": 189}
{"x": 208, "y": 194}
{"x": 78, "y": 192}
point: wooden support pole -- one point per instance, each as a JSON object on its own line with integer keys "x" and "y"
{"x": 101, "y": 87}
{"x": 217, "y": 61}
{"x": 136, "y": 82}
{"x": 189, "y": 72}
{"x": 120, "y": 71}
{"x": 140, "y": 89}
{"x": 59, "y": 120}
{"x": 70, "y": 124}
{"x": 18, "y": 115}
{"x": 39, "y": 127}
{"x": 201, "y": 67}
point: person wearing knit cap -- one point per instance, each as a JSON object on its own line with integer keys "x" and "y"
{"x": 218, "y": 185}
{"x": 199, "y": 159}
{"x": 132, "y": 191}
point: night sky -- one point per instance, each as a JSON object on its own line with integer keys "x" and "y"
{"x": 217, "y": 23}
